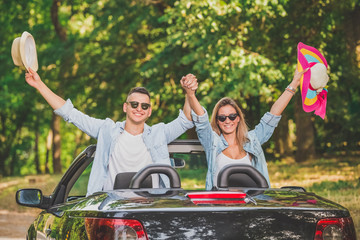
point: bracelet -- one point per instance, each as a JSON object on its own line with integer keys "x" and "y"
{"x": 290, "y": 89}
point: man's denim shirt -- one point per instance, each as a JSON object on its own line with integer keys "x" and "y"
{"x": 215, "y": 144}
{"x": 156, "y": 139}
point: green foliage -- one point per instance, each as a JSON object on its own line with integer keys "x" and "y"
{"x": 211, "y": 39}
{"x": 331, "y": 186}
{"x": 242, "y": 49}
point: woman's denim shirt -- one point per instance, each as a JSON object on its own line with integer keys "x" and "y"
{"x": 215, "y": 144}
{"x": 156, "y": 139}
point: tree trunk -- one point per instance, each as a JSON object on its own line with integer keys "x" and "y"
{"x": 13, "y": 160}
{"x": 283, "y": 143}
{"x": 61, "y": 33}
{"x": 48, "y": 149}
{"x": 352, "y": 31}
{"x": 36, "y": 147}
{"x": 79, "y": 138}
{"x": 56, "y": 143}
{"x": 305, "y": 137}
{"x": 60, "y": 30}
{"x": 4, "y": 154}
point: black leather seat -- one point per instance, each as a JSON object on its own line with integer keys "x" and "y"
{"x": 241, "y": 175}
{"x": 122, "y": 181}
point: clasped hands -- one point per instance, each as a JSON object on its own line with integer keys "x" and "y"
{"x": 189, "y": 83}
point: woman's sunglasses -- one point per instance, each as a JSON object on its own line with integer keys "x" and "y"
{"x": 222, "y": 118}
{"x": 135, "y": 104}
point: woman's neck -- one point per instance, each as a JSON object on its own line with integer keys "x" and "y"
{"x": 233, "y": 151}
{"x": 230, "y": 139}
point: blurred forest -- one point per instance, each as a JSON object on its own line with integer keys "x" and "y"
{"x": 93, "y": 52}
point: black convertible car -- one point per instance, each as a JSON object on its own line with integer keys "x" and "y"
{"x": 242, "y": 207}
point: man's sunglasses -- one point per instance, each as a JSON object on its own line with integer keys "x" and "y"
{"x": 222, "y": 118}
{"x": 135, "y": 104}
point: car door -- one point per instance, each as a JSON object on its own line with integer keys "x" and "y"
{"x": 45, "y": 226}
{"x": 54, "y": 222}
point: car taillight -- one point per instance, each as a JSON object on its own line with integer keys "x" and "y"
{"x": 335, "y": 228}
{"x": 118, "y": 229}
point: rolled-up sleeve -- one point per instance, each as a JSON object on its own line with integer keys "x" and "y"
{"x": 85, "y": 123}
{"x": 177, "y": 127}
{"x": 271, "y": 119}
{"x": 203, "y": 129}
{"x": 65, "y": 110}
{"x": 266, "y": 127}
{"x": 186, "y": 123}
{"x": 200, "y": 119}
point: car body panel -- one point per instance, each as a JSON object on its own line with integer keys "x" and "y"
{"x": 262, "y": 213}
{"x": 293, "y": 215}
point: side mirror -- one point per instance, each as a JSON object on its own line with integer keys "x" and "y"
{"x": 177, "y": 162}
{"x": 29, "y": 197}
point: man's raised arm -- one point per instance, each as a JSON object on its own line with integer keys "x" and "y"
{"x": 34, "y": 80}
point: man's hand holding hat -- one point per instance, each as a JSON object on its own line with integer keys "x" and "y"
{"x": 23, "y": 52}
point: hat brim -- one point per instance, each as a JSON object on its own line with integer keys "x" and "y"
{"x": 28, "y": 51}
{"x": 308, "y": 56}
{"x": 15, "y": 52}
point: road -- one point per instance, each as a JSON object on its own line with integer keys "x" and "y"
{"x": 14, "y": 225}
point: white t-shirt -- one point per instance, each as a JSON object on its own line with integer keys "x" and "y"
{"x": 222, "y": 160}
{"x": 129, "y": 155}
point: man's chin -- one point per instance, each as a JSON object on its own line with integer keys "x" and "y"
{"x": 139, "y": 120}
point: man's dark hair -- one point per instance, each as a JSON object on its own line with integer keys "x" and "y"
{"x": 141, "y": 90}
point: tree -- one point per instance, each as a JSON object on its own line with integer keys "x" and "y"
{"x": 15, "y": 110}
{"x": 94, "y": 52}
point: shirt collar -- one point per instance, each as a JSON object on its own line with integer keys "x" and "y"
{"x": 147, "y": 128}
{"x": 223, "y": 145}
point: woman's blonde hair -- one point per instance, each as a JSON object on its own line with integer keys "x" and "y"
{"x": 241, "y": 129}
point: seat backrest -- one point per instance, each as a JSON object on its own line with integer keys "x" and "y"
{"x": 157, "y": 168}
{"x": 241, "y": 180}
{"x": 241, "y": 175}
{"x": 122, "y": 181}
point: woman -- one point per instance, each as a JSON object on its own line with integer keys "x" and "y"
{"x": 226, "y": 139}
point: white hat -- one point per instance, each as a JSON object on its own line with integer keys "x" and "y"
{"x": 23, "y": 51}
{"x": 319, "y": 77}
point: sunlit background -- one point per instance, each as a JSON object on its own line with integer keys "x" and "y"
{"x": 93, "y": 52}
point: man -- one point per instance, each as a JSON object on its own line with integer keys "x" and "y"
{"x": 124, "y": 146}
